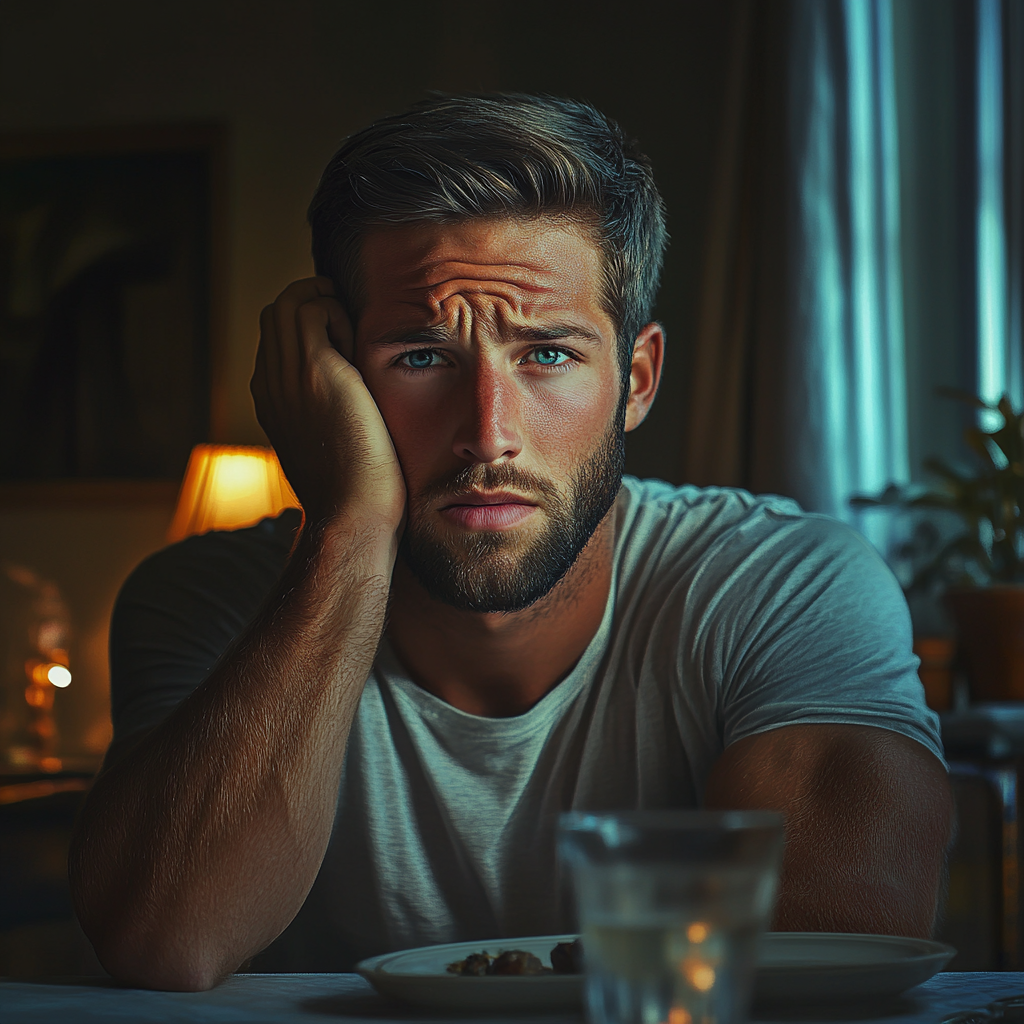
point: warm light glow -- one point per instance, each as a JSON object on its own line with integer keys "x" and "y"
{"x": 679, "y": 1015}
{"x": 229, "y": 487}
{"x": 697, "y": 932}
{"x": 38, "y": 697}
{"x": 43, "y": 672}
{"x": 699, "y": 973}
{"x": 59, "y": 676}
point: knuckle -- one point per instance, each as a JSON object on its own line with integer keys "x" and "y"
{"x": 306, "y": 313}
{"x": 299, "y": 291}
{"x": 313, "y": 313}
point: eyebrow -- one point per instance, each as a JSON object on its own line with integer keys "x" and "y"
{"x": 439, "y": 335}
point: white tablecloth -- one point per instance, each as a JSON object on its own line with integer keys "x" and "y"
{"x": 312, "y": 998}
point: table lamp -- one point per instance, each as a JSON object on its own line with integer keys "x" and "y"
{"x": 227, "y": 487}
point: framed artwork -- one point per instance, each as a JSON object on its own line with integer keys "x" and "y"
{"x": 110, "y": 252}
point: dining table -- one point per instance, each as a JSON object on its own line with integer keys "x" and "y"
{"x": 313, "y": 998}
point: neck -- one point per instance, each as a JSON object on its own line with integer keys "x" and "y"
{"x": 499, "y": 664}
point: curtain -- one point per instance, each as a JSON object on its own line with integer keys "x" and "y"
{"x": 864, "y": 245}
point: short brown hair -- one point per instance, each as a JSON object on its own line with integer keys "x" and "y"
{"x": 452, "y": 158}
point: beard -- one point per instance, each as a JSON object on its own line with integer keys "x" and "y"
{"x": 498, "y": 571}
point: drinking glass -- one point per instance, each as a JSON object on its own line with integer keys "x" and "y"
{"x": 671, "y": 907}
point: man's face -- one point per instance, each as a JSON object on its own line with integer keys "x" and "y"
{"x": 493, "y": 363}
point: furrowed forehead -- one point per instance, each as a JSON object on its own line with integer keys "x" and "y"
{"x": 351, "y": 272}
{"x": 533, "y": 257}
{"x": 536, "y": 276}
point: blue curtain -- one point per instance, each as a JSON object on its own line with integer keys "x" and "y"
{"x": 999, "y": 296}
{"x": 864, "y": 246}
{"x": 845, "y": 310}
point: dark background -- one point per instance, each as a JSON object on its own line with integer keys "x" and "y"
{"x": 289, "y": 80}
{"x": 104, "y": 287}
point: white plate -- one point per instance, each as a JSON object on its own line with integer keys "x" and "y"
{"x": 826, "y": 966}
{"x": 794, "y": 966}
{"x": 419, "y": 976}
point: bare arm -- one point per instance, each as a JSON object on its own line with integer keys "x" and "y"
{"x": 198, "y": 846}
{"x": 868, "y": 817}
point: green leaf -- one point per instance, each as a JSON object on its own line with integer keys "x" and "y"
{"x": 1005, "y": 406}
{"x": 978, "y": 440}
{"x": 1009, "y": 437}
{"x": 987, "y": 496}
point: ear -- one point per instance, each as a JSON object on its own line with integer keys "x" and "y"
{"x": 645, "y": 373}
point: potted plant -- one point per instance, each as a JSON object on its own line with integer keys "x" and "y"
{"x": 980, "y": 569}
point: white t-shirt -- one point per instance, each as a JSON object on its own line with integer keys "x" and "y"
{"x": 728, "y": 615}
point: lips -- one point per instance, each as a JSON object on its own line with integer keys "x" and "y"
{"x": 488, "y": 511}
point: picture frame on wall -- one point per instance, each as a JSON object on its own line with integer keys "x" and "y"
{"x": 111, "y": 253}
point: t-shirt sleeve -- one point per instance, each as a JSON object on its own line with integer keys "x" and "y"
{"x": 180, "y": 610}
{"x": 810, "y": 626}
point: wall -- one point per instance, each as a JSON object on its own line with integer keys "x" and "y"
{"x": 289, "y": 80}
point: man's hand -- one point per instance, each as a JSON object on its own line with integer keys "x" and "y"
{"x": 317, "y": 412}
{"x": 198, "y": 846}
{"x": 868, "y": 817}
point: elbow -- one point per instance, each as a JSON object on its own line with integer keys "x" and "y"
{"x": 156, "y": 951}
{"x": 165, "y": 977}
{"x": 150, "y": 955}
{"x": 137, "y": 947}
{"x": 157, "y": 964}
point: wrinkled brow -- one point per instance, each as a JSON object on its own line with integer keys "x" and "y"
{"x": 440, "y": 334}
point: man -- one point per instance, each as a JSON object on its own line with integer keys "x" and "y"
{"x": 365, "y": 745}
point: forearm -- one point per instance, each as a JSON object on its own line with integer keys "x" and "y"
{"x": 198, "y": 847}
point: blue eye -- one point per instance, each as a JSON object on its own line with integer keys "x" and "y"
{"x": 421, "y": 359}
{"x": 550, "y": 356}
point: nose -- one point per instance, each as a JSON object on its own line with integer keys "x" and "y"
{"x": 489, "y": 429}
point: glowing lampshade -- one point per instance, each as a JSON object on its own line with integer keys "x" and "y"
{"x": 227, "y": 487}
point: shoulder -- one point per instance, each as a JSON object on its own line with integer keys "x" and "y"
{"x": 724, "y": 534}
{"x": 777, "y": 616}
{"x": 723, "y": 567}
{"x": 238, "y": 560}
{"x": 181, "y": 608}
{"x": 196, "y": 595}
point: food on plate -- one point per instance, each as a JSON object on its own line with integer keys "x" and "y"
{"x": 510, "y": 961}
{"x": 518, "y": 961}
{"x": 566, "y": 958}
{"x": 475, "y": 965}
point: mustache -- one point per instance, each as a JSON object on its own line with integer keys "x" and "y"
{"x": 490, "y": 478}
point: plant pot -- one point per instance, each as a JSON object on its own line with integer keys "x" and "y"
{"x": 990, "y": 639}
{"x": 936, "y": 670}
